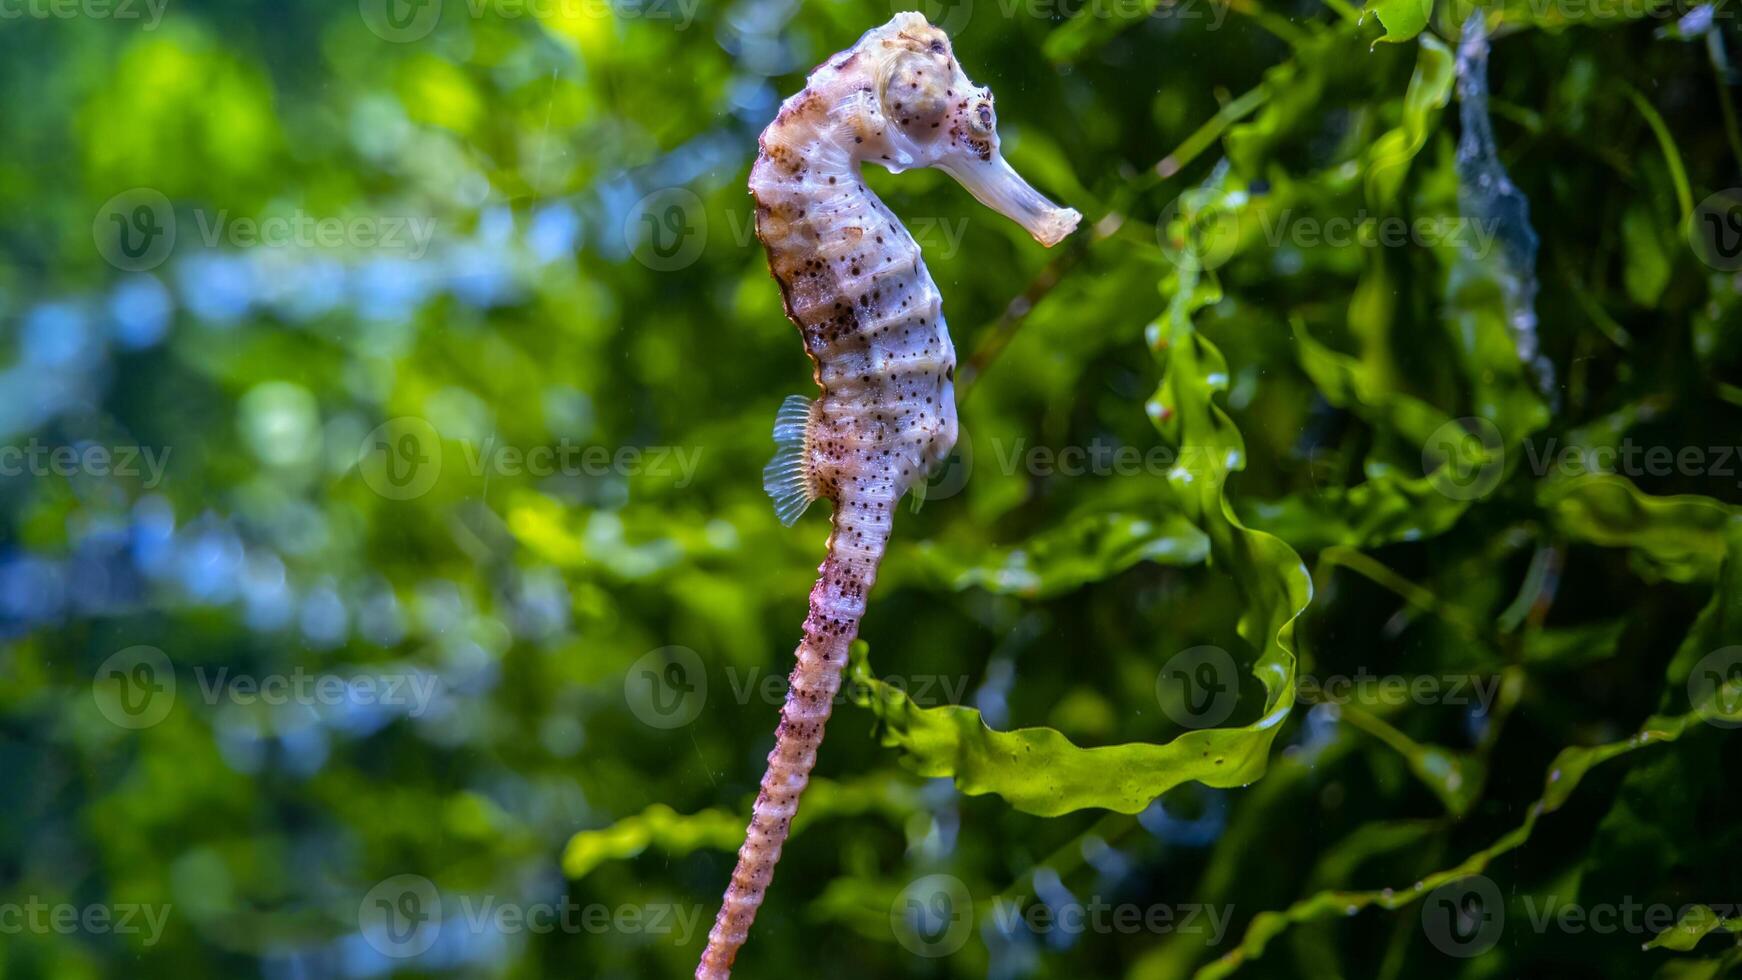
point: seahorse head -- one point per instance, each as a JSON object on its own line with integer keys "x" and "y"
{"x": 927, "y": 113}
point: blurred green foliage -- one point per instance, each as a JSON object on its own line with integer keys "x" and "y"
{"x": 447, "y": 397}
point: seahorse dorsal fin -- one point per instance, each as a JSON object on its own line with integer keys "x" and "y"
{"x": 787, "y": 478}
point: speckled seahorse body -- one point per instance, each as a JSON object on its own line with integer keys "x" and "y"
{"x": 854, "y": 283}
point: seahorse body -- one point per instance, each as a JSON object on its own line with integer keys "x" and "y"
{"x": 853, "y": 281}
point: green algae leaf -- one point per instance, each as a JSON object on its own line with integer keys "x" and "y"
{"x": 1041, "y": 771}
{"x": 1086, "y": 548}
{"x": 1366, "y": 388}
{"x": 661, "y": 827}
{"x": 1564, "y": 775}
{"x": 1093, "y": 26}
{"x": 1455, "y": 777}
{"x": 1715, "y": 626}
{"x": 1402, "y": 19}
{"x": 658, "y": 825}
{"x": 1430, "y": 88}
{"x": 1696, "y": 923}
{"x": 1572, "y": 646}
{"x": 1428, "y": 466}
{"x": 1680, "y": 538}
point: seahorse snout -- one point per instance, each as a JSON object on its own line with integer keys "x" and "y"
{"x": 998, "y": 186}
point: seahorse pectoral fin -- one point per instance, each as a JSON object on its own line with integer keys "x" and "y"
{"x": 998, "y": 186}
{"x": 787, "y": 478}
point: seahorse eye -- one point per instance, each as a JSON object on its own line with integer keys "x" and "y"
{"x": 982, "y": 120}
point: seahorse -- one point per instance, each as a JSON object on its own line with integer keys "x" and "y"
{"x": 852, "y": 279}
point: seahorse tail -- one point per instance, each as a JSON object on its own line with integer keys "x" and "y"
{"x": 836, "y": 606}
